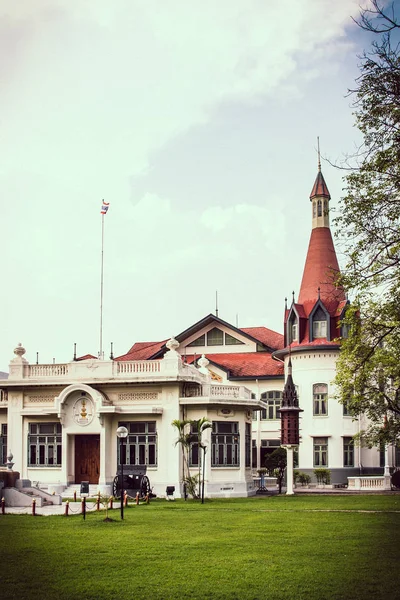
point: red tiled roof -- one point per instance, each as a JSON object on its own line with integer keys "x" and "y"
{"x": 86, "y": 357}
{"x": 142, "y": 351}
{"x": 266, "y": 336}
{"x": 320, "y": 269}
{"x": 320, "y": 188}
{"x": 246, "y": 364}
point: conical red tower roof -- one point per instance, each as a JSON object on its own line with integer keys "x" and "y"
{"x": 320, "y": 188}
{"x": 320, "y": 271}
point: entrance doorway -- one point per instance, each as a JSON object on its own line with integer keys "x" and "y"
{"x": 87, "y": 458}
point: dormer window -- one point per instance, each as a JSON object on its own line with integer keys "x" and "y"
{"x": 319, "y": 323}
{"x": 294, "y": 332}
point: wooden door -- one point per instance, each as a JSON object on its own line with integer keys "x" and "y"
{"x": 87, "y": 458}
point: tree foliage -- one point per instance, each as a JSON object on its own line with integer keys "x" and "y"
{"x": 276, "y": 462}
{"x": 368, "y": 369}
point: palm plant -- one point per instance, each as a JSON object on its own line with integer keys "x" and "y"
{"x": 198, "y": 427}
{"x": 184, "y": 442}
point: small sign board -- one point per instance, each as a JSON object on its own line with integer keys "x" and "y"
{"x": 84, "y": 488}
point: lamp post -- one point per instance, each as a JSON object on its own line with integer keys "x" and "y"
{"x": 122, "y": 434}
{"x": 204, "y": 448}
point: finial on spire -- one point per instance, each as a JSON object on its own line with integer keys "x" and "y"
{"x": 216, "y": 303}
{"x": 319, "y": 156}
{"x": 319, "y": 293}
{"x": 293, "y": 296}
{"x": 285, "y": 303}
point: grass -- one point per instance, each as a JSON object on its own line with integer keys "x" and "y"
{"x": 314, "y": 547}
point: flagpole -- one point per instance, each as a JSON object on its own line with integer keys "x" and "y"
{"x": 101, "y": 288}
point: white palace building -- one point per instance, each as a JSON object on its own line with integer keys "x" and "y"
{"x": 60, "y": 420}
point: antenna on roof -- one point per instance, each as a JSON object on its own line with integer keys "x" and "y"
{"x": 319, "y": 155}
{"x": 216, "y": 303}
{"x": 75, "y": 351}
{"x": 37, "y": 358}
{"x": 237, "y": 320}
{"x": 111, "y": 353}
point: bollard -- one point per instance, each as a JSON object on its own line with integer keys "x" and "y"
{"x": 33, "y": 507}
{"x": 74, "y": 495}
{"x": 66, "y": 508}
{"x": 84, "y": 507}
{"x": 111, "y": 502}
{"x": 137, "y": 497}
{"x": 3, "y": 506}
{"x": 125, "y": 498}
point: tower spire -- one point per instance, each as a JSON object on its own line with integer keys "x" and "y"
{"x": 319, "y": 156}
{"x": 321, "y": 267}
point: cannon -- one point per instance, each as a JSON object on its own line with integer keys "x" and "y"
{"x": 135, "y": 480}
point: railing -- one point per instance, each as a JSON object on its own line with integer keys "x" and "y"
{"x": 217, "y": 391}
{"x": 367, "y": 483}
{"x": 3, "y": 398}
{"x": 36, "y": 371}
{"x": 137, "y": 367}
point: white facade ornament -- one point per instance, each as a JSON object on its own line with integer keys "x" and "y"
{"x": 172, "y": 344}
{"x": 83, "y": 411}
{"x": 203, "y": 362}
{"x": 19, "y": 352}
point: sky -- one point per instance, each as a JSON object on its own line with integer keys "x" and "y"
{"x": 197, "y": 121}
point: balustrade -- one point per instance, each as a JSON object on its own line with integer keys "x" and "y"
{"x": 60, "y": 370}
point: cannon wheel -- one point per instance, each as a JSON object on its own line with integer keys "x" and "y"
{"x": 116, "y": 488}
{"x": 145, "y": 487}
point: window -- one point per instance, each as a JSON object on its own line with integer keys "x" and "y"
{"x": 3, "y": 444}
{"x": 141, "y": 444}
{"x": 319, "y": 329}
{"x": 348, "y": 452}
{"x": 200, "y": 341}
{"x": 247, "y": 445}
{"x": 293, "y": 331}
{"x": 344, "y": 330}
{"x": 254, "y": 454}
{"x": 194, "y": 447}
{"x": 255, "y": 413}
{"x": 44, "y": 445}
{"x": 314, "y": 212}
{"x": 231, "y": 341}
{"x": 320, "y": 452}
{"x": 319, "y": 208}
{"x": 215, "y": 337}
{"x": 346, "y": 410}
{"x": 225, "y": 444}
{"x": 274, "y": 401}
{"x": 320, "y": 399}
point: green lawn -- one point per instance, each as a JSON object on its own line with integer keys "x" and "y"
{"x": 314, "y": 547}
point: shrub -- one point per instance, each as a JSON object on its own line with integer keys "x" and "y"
{"x": 296, "y": 475}
{"x": 304, "y": 478}
{"x": 323, "y": 476}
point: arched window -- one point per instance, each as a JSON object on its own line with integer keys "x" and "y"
{"x": 320, "y": 208}
{"x": 314, "y": 209}
{"x": 320, "y": 399}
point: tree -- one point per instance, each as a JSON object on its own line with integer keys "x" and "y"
{"x": 191, "y": 434}
{"x": 276, "y": 462}
{"x": 198, "y": 427}
{"x": 368, "y": 369}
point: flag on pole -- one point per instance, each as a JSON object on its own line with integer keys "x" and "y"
{"x": 104, "y": 207}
